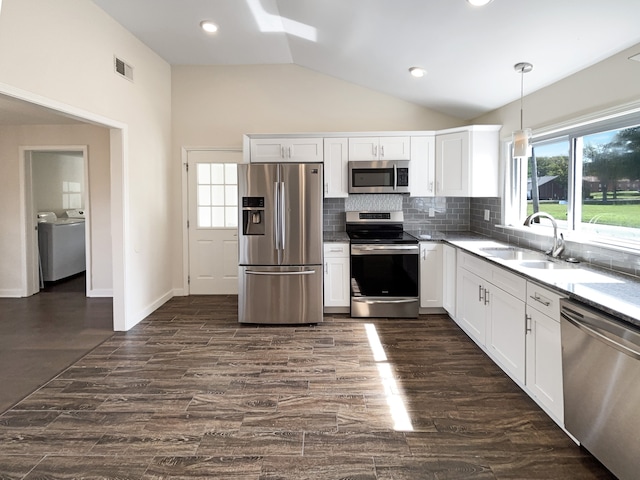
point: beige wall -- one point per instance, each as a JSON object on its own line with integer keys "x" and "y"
{"x": 97, "y": 141}
{"x": 215, "y": 105}
{"x": 60, "y": 54}
{"x": 610, "y": 83}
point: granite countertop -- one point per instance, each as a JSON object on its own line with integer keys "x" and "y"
{"x": 615, "y": 293}
{"x": 335, "y": 237}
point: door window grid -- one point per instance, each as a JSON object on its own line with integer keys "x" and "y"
{"x": 217, "y": 195}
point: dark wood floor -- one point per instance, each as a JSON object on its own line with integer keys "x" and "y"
{"x": 45, "y": 333}
{"x": 190, "y": 393}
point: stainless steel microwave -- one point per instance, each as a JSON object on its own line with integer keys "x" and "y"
{"x": 380, "y": 176}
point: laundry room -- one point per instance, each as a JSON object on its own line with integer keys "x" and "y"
{"x": 58, "y": 180}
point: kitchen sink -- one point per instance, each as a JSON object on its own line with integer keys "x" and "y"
{"x": 511, "y": 253}
{"x": 545, "y": 264}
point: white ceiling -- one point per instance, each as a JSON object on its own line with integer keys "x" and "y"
{"x": 469, "y": 52}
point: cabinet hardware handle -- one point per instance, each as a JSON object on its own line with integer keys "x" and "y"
{"x": 480, "y": 293}
{"x": 539, "y": 300}
{"x": 375, "y": 150}
{"x": 290, "y": 152}
{"x": 527, "y": 323}
{"x": 486, "y": 296}
{"x": 382, "y": 150}
{"x": 431, "y": 186}
{"x": 326, "y": 268}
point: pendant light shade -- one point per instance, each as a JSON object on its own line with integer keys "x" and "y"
{"x": 522, "y": 138}
{"x": 522, "y": 143}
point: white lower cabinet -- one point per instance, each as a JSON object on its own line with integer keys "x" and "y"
{"x": 430, "y": 275}
{"x": 336, "y": 275}
{"x": 517, "y": 324}
{"x": 471, "y": 313}
{"x": 449, "y": 279}
{"x": 494, "y": 317}
{"x": 544, "y": 350}
{"x": 505, "y": 331}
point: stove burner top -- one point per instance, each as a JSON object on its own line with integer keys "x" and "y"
{"x": 378, "y": 228}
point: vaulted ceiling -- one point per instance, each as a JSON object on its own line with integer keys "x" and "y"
{"x": 468, "y": 52}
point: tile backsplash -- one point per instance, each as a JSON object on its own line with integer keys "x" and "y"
{"x": 420, "y": 213}
{"x": 459, "y": 214}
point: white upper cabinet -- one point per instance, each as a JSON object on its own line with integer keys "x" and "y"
{"x": 467, "y": 162}
{"x": 336, "y": 168}
{"x": 379, "y": 148}
{"x": 309, "y": 150}
{"x": 422, "y": 169}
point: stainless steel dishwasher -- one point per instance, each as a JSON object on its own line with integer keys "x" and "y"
{"x": 601, "y": 376}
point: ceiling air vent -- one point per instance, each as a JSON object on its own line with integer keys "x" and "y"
{"x": 123, "y": 68}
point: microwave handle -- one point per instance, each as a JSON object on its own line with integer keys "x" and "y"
{"x": 395, "y": 176}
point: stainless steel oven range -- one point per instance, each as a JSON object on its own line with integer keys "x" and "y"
{"x": 384, "y": 266}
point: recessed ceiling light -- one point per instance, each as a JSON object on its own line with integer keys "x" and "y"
{"x": 208, "y": 26}
{"x": 479, "y": 3}
{"x": 417, "y": 72}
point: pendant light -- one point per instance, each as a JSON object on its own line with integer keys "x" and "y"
{"x": 522, "y": 137}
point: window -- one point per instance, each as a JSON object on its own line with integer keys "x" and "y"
{"x": 217, "y": 196}
{"x": 587, "y": 177}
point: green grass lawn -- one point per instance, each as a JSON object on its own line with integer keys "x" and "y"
{"x": 620, "y": 215}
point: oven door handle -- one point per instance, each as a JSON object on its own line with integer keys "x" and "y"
{"x": 374, "y": 302}
{"x": 362, "y": 249}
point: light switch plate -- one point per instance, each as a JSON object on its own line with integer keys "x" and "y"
{"x": 487, "y": 214}
{"x": 432, "y": 212}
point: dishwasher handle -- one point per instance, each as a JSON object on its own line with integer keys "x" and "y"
{"x": 609, "y": 338}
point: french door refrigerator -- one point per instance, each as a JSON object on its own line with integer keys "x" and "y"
{"x": 280, "y": 243}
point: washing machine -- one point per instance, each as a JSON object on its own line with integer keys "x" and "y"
{"x": 61, "y": 243}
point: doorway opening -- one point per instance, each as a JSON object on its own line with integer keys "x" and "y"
{"x": 56, "y": 188}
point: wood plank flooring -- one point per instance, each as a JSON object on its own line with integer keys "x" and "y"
{"x": 189, "y": 393}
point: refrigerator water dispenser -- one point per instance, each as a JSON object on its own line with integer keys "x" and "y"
{"x": 253, "y": 216}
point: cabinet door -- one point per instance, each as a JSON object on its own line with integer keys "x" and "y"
{"x": 452, "y": 164}
{"x": 506, "y": 331}
{"x": 336, "y": 282}
{"x": 274, "y": 150}
{"x": 544, "y": 362}
{"x": 449, "y": 279}
{"x": 268, "y": 149}
{"x": 422, "y": 167}
{"x": 394, "y": 148}
{"x": 363, "y": 148}
{"x": 430, "y": 275}
{"x": 308, "y": 150}
{"x": 470, "y": 308}
{"x": 336, "y": 168}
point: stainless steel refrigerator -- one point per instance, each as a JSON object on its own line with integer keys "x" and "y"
{"x": 280, "y": 243}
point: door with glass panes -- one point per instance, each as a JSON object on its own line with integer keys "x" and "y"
{"x": 213, "y": 221}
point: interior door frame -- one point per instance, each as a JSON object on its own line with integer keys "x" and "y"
{"x": 30, "y": 259}
{"x": 184, "y": 291}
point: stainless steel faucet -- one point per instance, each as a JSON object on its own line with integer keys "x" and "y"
{"x": 558, "y": 243}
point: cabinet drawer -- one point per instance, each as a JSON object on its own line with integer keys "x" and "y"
{"x": 473, "y": 264}
{"x": 543, "y": 300}
{"x": 336, "y": 250}
{"x": 509, "y": 282}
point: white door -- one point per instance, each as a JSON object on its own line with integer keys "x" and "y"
{"x": 213, "y": 221}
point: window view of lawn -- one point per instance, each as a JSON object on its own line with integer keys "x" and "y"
{"x": 607, "y": 192}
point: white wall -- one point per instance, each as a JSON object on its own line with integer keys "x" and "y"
{"x": 60, "y": 54}
{"x": 58, "y": 181}
{"x": 215, "y": 105}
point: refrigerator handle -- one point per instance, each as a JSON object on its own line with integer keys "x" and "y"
{"x": 282, "y": 217}
{"x": 276, "y": 216}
